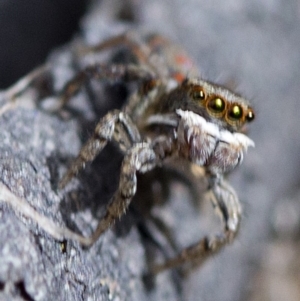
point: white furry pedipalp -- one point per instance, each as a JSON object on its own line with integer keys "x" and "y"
{"x": 205, "y": 144}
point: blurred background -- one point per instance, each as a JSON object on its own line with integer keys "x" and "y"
{"x": 253, "y": 45}
{"x": 30, "y": 29}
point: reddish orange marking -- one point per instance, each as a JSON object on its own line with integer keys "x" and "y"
{"x": 181, "y": 59}
{"x": 179, "y": 77}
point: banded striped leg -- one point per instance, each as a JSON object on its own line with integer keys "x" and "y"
{"x": 226, "y": 202}
{"x": 129, "y": 40}
{"x": 100, "y": 71}
{"x": 140, "y": 158}
{"x": 39, "y": 78}
{"x": 116, "y": 126}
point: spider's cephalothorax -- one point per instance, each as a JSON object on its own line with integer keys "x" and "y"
{"x": 172, "y": 114}
{"x": 215, "y": 103}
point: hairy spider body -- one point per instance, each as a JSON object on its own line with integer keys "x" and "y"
{"x": 172, "y": 114}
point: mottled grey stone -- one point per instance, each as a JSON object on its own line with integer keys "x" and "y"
{"x": 253, "y": 45}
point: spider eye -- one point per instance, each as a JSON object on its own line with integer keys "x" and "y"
{"x": 216, "y": 105}
{"x": 235, "y": 112}
{"x": 250, "y": 116}
{"x": 198, "y": 93}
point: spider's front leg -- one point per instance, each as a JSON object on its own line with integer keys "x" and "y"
{"x": 226, "y": 202}
{"x": 115, "y": 125}
{"x": 140, "y": 158}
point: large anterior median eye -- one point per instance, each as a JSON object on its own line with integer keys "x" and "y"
{"x": 235, "y": 112}
{"x": 216, "y": 105}
{"x": 197, "y": 93}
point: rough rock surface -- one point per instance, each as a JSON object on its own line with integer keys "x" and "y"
{"x": 254, "y": 45}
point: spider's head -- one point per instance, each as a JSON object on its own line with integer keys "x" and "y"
{"x": 217, "y": 104}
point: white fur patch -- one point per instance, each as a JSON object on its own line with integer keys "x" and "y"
{"x": 192, "y": 119}
{"x": 244, "y": 141}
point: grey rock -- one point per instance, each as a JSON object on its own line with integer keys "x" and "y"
{"x": 256, "y": 46}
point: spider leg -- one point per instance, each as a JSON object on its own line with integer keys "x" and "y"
{"x": 113, "y": 72}
{"x": 129, "y": 40}
{"x": 140, "y": 158}
{"x": 226, "y": 202}
{"x": 38, "y": 78}
{"x": 29, "y": 79}
{"x": 116, "y": 126}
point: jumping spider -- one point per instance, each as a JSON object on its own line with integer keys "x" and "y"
{"x": 172, "y": 114}
{"x": 169, "y": 116}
